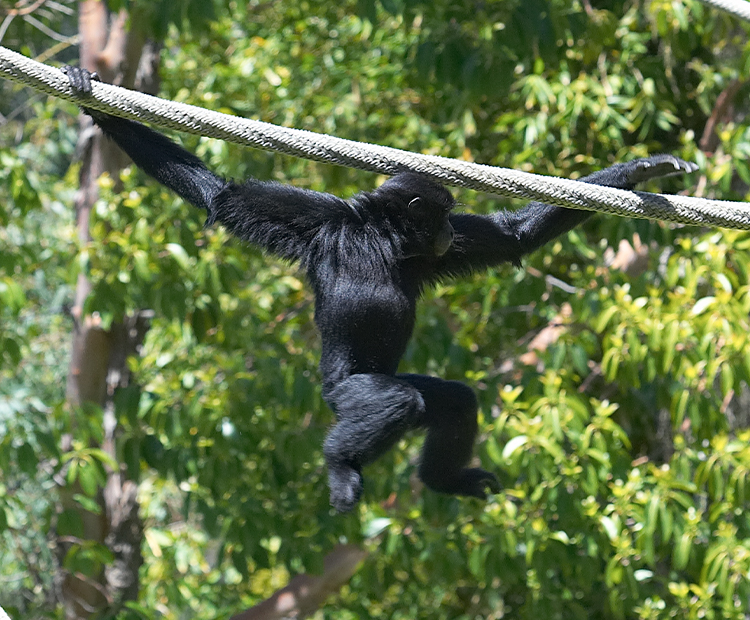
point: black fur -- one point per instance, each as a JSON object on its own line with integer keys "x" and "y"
{"x": 367, "y": 260}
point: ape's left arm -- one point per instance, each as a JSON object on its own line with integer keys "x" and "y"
{"x": 505, "y": 236}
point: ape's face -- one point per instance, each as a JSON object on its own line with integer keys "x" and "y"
{"x": 419, "y": 209}
{"x": 430, "y": 230}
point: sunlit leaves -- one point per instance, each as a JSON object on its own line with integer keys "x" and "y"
{"x": 621, "y": 446}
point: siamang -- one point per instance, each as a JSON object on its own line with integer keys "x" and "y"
{"x": 368, "y": 259}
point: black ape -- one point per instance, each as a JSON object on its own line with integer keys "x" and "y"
{"x": 368, "y": 260}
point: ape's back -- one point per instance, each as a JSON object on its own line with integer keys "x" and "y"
{"x": 364, "y": 308}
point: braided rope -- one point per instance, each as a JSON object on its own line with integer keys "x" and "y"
{"x": 385, "y": 160}
{"x": 738, "y": 8}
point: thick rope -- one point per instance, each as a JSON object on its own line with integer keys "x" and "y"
{"x": 319, "y": 147}
{"x": 738, "y": 8}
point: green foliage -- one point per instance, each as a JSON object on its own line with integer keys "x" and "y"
{"x": 622, "y": 446}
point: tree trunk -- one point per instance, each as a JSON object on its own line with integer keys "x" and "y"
{"x": 98, "y": 355}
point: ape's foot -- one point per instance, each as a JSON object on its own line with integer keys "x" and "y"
{"x": 475, "y": 482}
{"x": 346, "y": 487}
{"x": 471, "y": 482}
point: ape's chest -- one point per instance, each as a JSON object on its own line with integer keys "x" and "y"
{"x": 364, "y": 322}
{"x": 361, "y": 307}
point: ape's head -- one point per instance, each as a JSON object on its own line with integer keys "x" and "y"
{"x": 418, "y": 209}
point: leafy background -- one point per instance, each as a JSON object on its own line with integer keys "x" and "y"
{"x": 622, "y": 443}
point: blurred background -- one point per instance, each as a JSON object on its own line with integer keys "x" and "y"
{"x": 160, "y": 412}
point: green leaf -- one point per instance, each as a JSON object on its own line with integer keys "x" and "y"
{"x": 604, "y": 318}
{"x": 702, "y": 305}
{"x": 376, "y": 527}
{"x": 514, "y": 444}
{"x": 27, "y": 459}
{"x": 88, "y": 478}
{"x": 609, "y": 526}
{"x": 180, "y": 255}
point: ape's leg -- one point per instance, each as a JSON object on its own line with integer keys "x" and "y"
{"x": 373, "y": 412}
{"x": 450, "y": 415}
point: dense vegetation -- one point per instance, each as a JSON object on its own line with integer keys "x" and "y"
{"x": 621, "y": 440}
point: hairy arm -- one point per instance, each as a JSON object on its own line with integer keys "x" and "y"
{"x": 162, "y": 159}
{"x": 482, "y": 241}
{"x": 281, "y": 218}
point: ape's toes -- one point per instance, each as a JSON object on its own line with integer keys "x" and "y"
{"x": 476, "y": 482}
{"x": 79, "y": 78}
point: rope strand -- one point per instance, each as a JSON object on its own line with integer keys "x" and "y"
{"x": 738, "y": 8}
